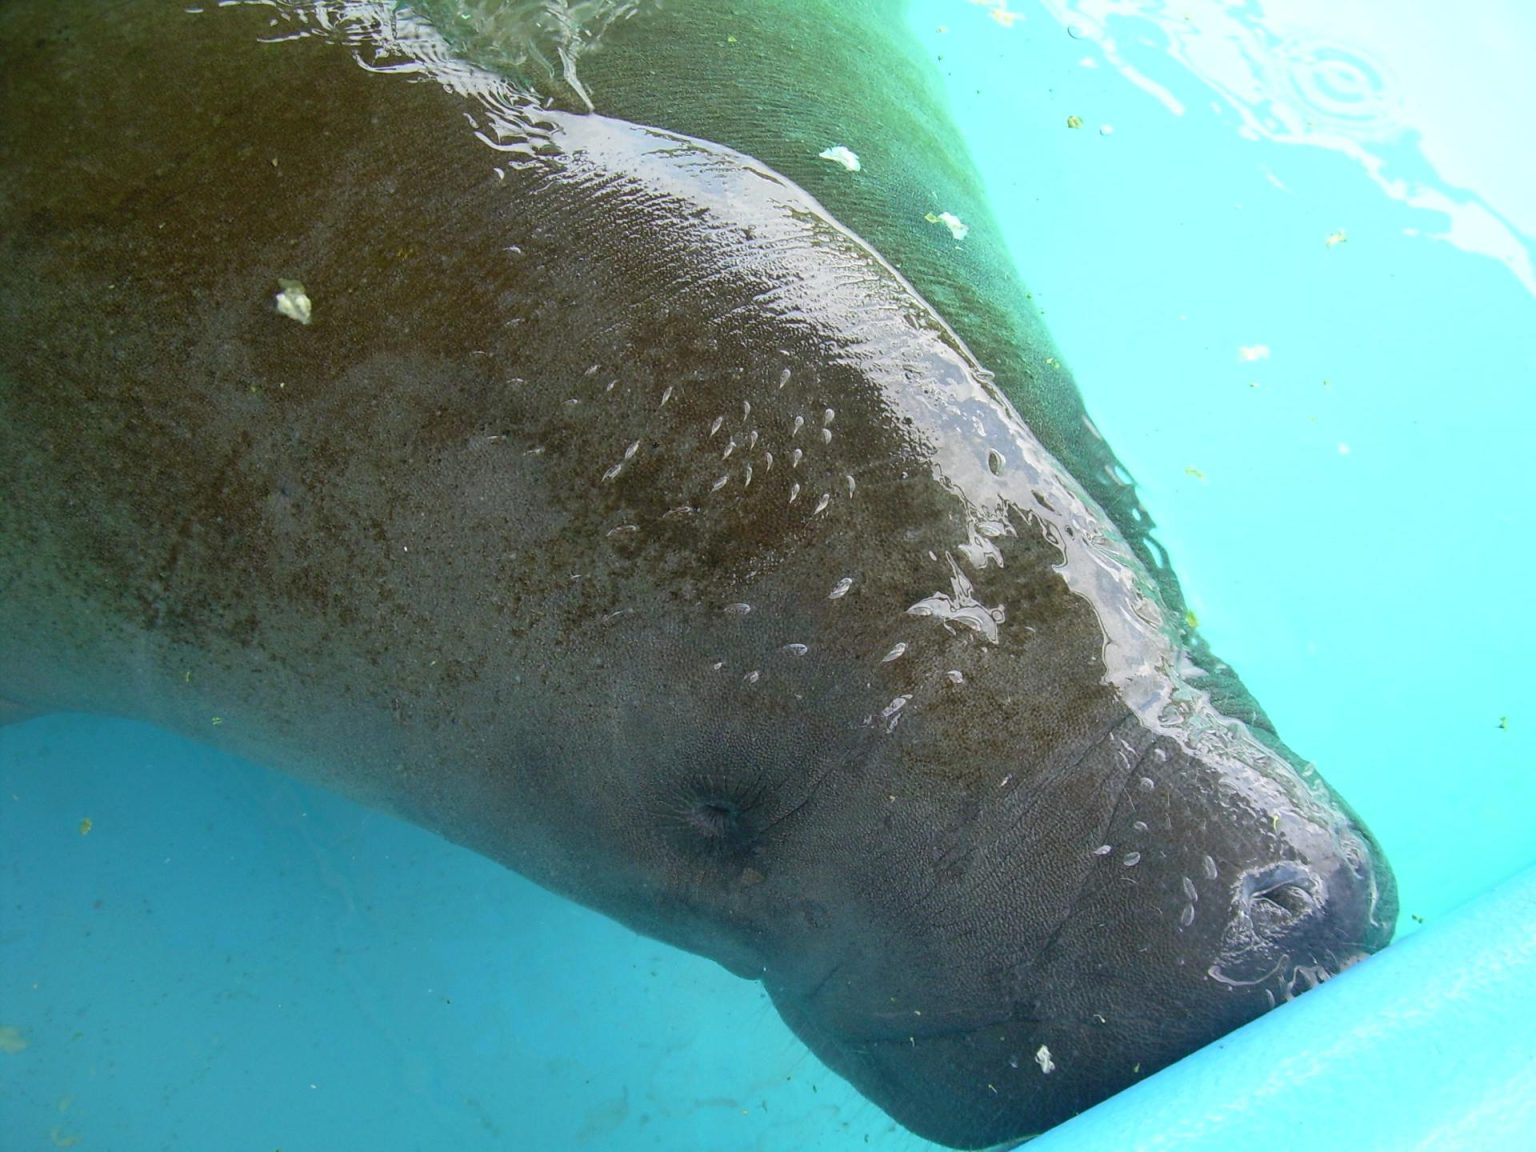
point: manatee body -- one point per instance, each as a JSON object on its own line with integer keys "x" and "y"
{"x": 620, "y": 514}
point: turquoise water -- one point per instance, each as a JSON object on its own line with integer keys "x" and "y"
{"x": 1331, "y": 436}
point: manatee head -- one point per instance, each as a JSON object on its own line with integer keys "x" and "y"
{"x": 873, "y": 704}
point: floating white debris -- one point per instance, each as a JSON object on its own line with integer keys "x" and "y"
{"x": 1043, "y": 1058}
{"x": 838, "y": 154}
{"x": 293, "y": 302}
{"x": 957, "y": 227}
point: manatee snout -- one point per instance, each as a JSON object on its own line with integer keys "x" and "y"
{"x": 1053, "y": 959}
{"x": 1295, "y": 922}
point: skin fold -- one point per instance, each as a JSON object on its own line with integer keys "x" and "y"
{"x": 719, "y": 546}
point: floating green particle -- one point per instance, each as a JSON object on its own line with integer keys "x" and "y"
{"x": 1074, "y": 121}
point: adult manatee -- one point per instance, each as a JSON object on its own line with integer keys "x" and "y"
{"x": 588, "y": 493}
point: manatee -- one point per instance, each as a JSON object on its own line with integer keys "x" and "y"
{"x": 514, "y": 424}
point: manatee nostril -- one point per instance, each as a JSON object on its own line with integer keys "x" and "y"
{"x": 1280, "y": 894}
{"x": 1289, "y": 900}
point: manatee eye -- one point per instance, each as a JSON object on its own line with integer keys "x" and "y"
{"x": 715, "y": 818}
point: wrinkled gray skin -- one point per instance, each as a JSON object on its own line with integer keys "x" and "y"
{"x": 532, "y": 537}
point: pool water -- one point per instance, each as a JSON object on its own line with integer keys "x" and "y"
{"x": 1287, "y": 250}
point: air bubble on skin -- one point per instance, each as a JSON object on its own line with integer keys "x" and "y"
{"x": 799, "y": 424}
{"x": 679, "y": 512}
{"x": 666, "y": 394}
{"x": 1190, "y": 893}
{"x": 895, "y": 653}
{"x": 623, "y": 530}
{"x": 610, "y": 386}
{"x": 784, "y": 377}
{"x": 1160, "y": 755}
{"x": 826, "y": 435}
{"x": 796, "y": 649}
{"x": 840, "y": 589}
{"x": 715, "y": 427}
{"x": 995, "y": 462}
{"x": 717, "y": 666}
{"x": 613, "y": 471}
{"x": 751, "y": 677}
{"x": 629, "y": 453}
{"x": 720, "y": 483}
{"x": 737, "y": 609}
{"x": 1139, "y": 826}
{"x": 827, "y": 417}
{"x": 752, "y": 438}
{"x": 1103, "y": 850}
{"x": 891, "y": 713}
{"x": 729, "y": 448}
{"x": 1187, "y": 916}
{"x": 592, "y": 371}
{"x": 1210, "y": 867}
{"x": 1132, "y": 859}
{"x": 747, "y": 476}
{"x": 795, "y": 457}
{"x": 767, "y": 461}
{"x": 955, "y": 676}
{"x": 821, "y": 505}
{"x": 1145, "y": 784}
{"x": 794, "y": 493}
{"x": 851, "y": 484}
